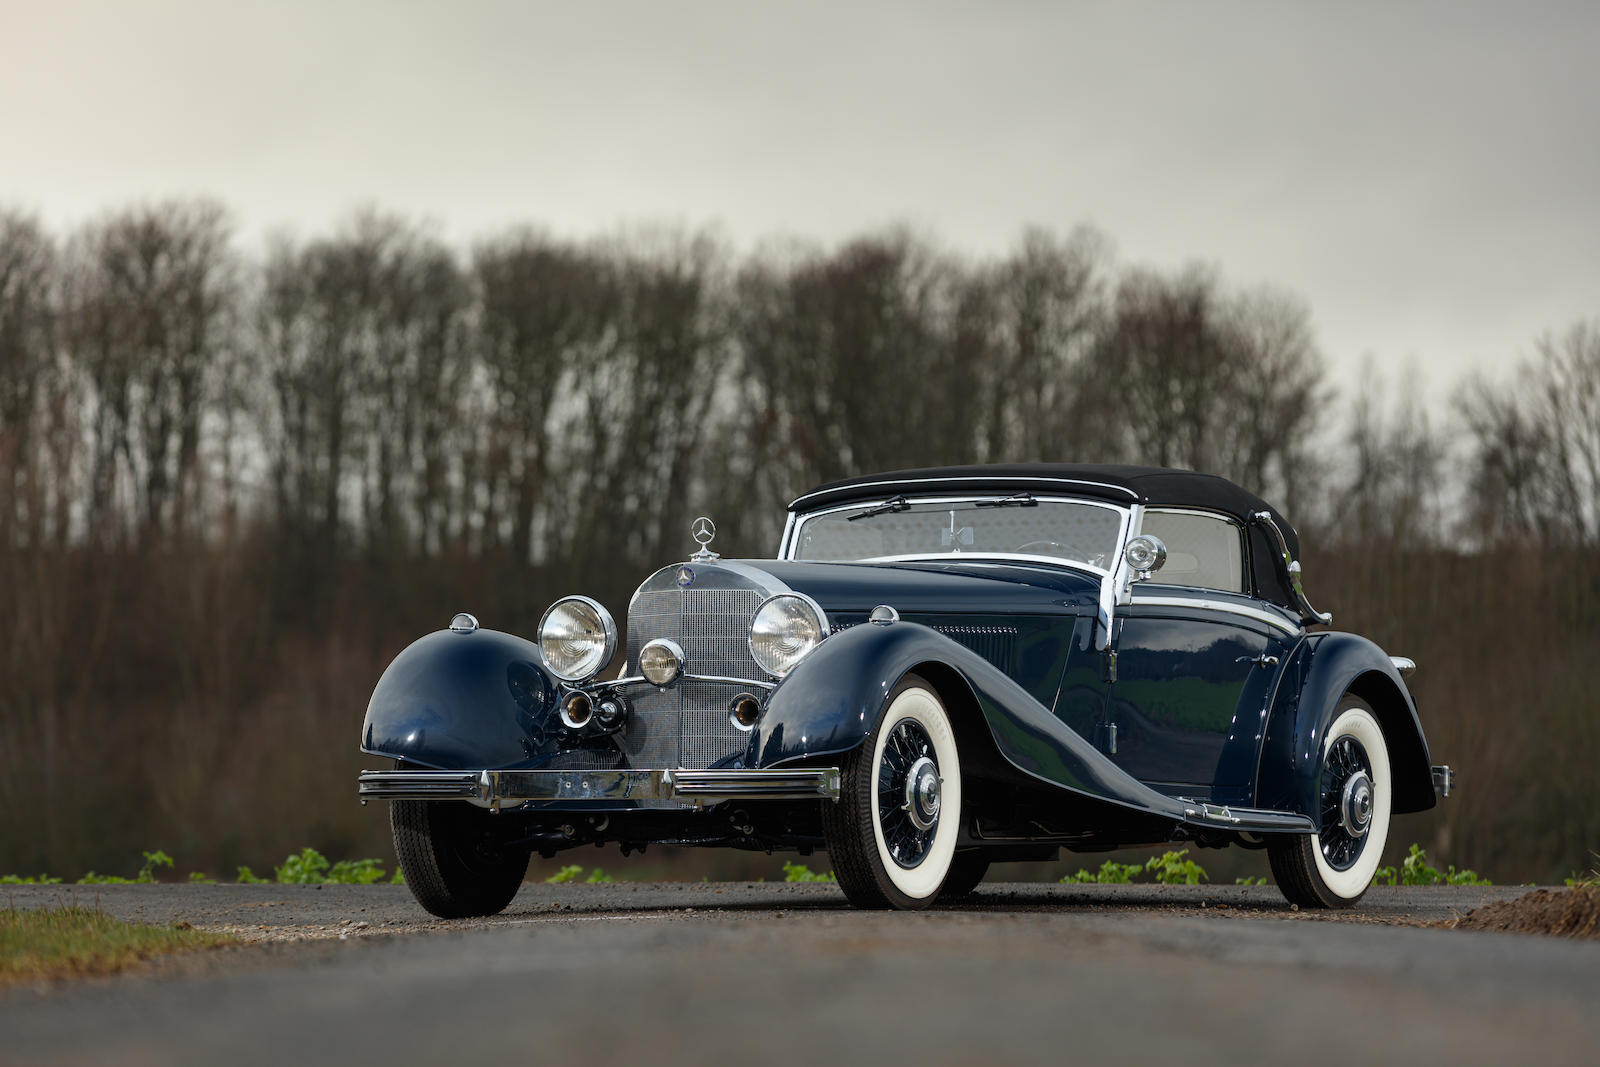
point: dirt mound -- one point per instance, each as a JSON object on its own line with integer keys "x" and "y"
{"x": 1560, "y": 912}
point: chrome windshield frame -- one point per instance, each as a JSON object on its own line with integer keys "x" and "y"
{"x": 791, "y": 533}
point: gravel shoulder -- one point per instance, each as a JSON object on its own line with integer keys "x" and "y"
{"x": 745, "y": 972}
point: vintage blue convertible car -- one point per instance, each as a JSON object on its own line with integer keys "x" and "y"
{"x": 942, "y": 669}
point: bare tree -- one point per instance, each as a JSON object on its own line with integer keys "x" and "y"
{"x": 150, "y": 292}
{"x": 1535, "y": 467}
{"x": 27, "y": 364}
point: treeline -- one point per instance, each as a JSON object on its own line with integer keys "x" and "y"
{"x": 232, "y": 483}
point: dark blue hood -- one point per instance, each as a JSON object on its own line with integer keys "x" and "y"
{"x": 939, "y": 587}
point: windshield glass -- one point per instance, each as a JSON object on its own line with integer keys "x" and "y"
{"x": 1069, "y": 530}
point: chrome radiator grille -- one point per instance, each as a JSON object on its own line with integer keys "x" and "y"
{"x": 687, "y": 725}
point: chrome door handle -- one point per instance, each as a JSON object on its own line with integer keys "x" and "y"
{"x": 1263, "y": 661}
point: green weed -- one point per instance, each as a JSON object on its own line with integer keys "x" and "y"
{"x": 248, "y": 877}
{"x": 1250, "y": 881}
{"x": 1110, "y": 873}
{"x": 1415, "y": 870}
{"x": 569, "y": 873}
{"x": 1169, "y": 868}
{"x": 799, "y": 872}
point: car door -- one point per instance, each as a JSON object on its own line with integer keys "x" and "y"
{"x": 1196, "y": 661}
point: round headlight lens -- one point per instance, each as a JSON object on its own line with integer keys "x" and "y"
{"x": 1146, "y": 553}
{"x": 784, "y": 631}
{"x": 577, "y": 638}
{"x": 661, "y": 661}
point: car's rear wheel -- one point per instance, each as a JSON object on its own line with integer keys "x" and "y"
{"x": 892, "y": 834}
{"x": 1334, "y": 867}
{"x": 454, "y": 857}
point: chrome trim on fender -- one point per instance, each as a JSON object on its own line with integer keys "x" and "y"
{"x": 1444, "y": 779}
{"x": 498, "y": 789}
{"x": 1259, "y": 614}
{"x": 1403, "y": 665}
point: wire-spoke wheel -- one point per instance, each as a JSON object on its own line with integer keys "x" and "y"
{"x": 1334, "y": 867}
{"x": 892, "y": 834}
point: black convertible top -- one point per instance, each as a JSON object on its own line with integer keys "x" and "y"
{"x": 1114, "y": 482}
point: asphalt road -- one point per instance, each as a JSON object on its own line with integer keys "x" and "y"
{"x": 741, "y": 973}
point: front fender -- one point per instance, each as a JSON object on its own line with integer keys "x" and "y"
{"x": 1323, "y": 668}
{"x": 464, "y": 700}
{"x": 831, "y": 702}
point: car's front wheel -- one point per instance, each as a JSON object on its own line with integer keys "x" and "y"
{"x": 1334, "y": 867}
{"x": 892, "y": 834}
{"x": 454, "y": 858}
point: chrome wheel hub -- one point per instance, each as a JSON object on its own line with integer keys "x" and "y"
{"x": 1355, "y": 804}
{"x": 1348, "y": 800}
{"x": 922, "y": 793}
{"x": 909, "y": 793}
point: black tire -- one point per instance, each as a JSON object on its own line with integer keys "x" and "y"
{"x": 967, "y": 871}
{"x": 869, "y": 868}
{"x": 453, "y": 864}
{"x": 1334, "y": 868}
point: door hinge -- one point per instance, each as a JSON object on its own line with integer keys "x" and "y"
{"x": 1110, "y": 665}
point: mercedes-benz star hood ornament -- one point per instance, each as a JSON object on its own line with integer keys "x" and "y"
{"x": 704, "y": 531}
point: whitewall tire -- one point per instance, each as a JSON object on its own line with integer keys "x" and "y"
{"x": 892, "y": 834}
{"x": 1334, "y": 867}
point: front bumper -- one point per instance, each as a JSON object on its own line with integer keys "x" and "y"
{"x": 509, "y": 789}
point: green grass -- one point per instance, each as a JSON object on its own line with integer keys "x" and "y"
{"x": 75, "y": 942}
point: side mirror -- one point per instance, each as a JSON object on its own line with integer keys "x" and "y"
{"x": 1145, "y": 555}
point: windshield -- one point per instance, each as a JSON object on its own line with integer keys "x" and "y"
{"x": 1069, "y": 530}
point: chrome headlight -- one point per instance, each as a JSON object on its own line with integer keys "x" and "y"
{"x": 577, "y": 638}
{"x": 661, "y": 661}
{"x": 784, "y": 631}
{"x": 1145, "y": 554}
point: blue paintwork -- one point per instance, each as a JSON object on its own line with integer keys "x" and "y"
{"x": 471, "y": 700}
{"x": 1189, "y": 701}
{"x": 1322, "y": 669}
{"x": 830, "y": 703}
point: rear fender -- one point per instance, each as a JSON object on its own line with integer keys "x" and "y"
{"x": 464, "y": 700}
{"x": 1324, "y": 667}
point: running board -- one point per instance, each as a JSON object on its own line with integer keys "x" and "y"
{"x": 1244, "y": 820}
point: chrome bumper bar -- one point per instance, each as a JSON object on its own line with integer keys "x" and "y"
{"x": 497, "y": 789}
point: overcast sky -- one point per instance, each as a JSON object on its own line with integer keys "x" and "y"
{"x": 1427, "y": 177}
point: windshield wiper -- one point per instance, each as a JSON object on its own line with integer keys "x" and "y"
{"x": 898, "y": 503}
{"x": 1021, "y": 500}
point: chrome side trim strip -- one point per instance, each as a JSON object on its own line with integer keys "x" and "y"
{"x": 1404, "y": 665}
{"x": 496, "y": 789}
{"x": 1258, "y": 614}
